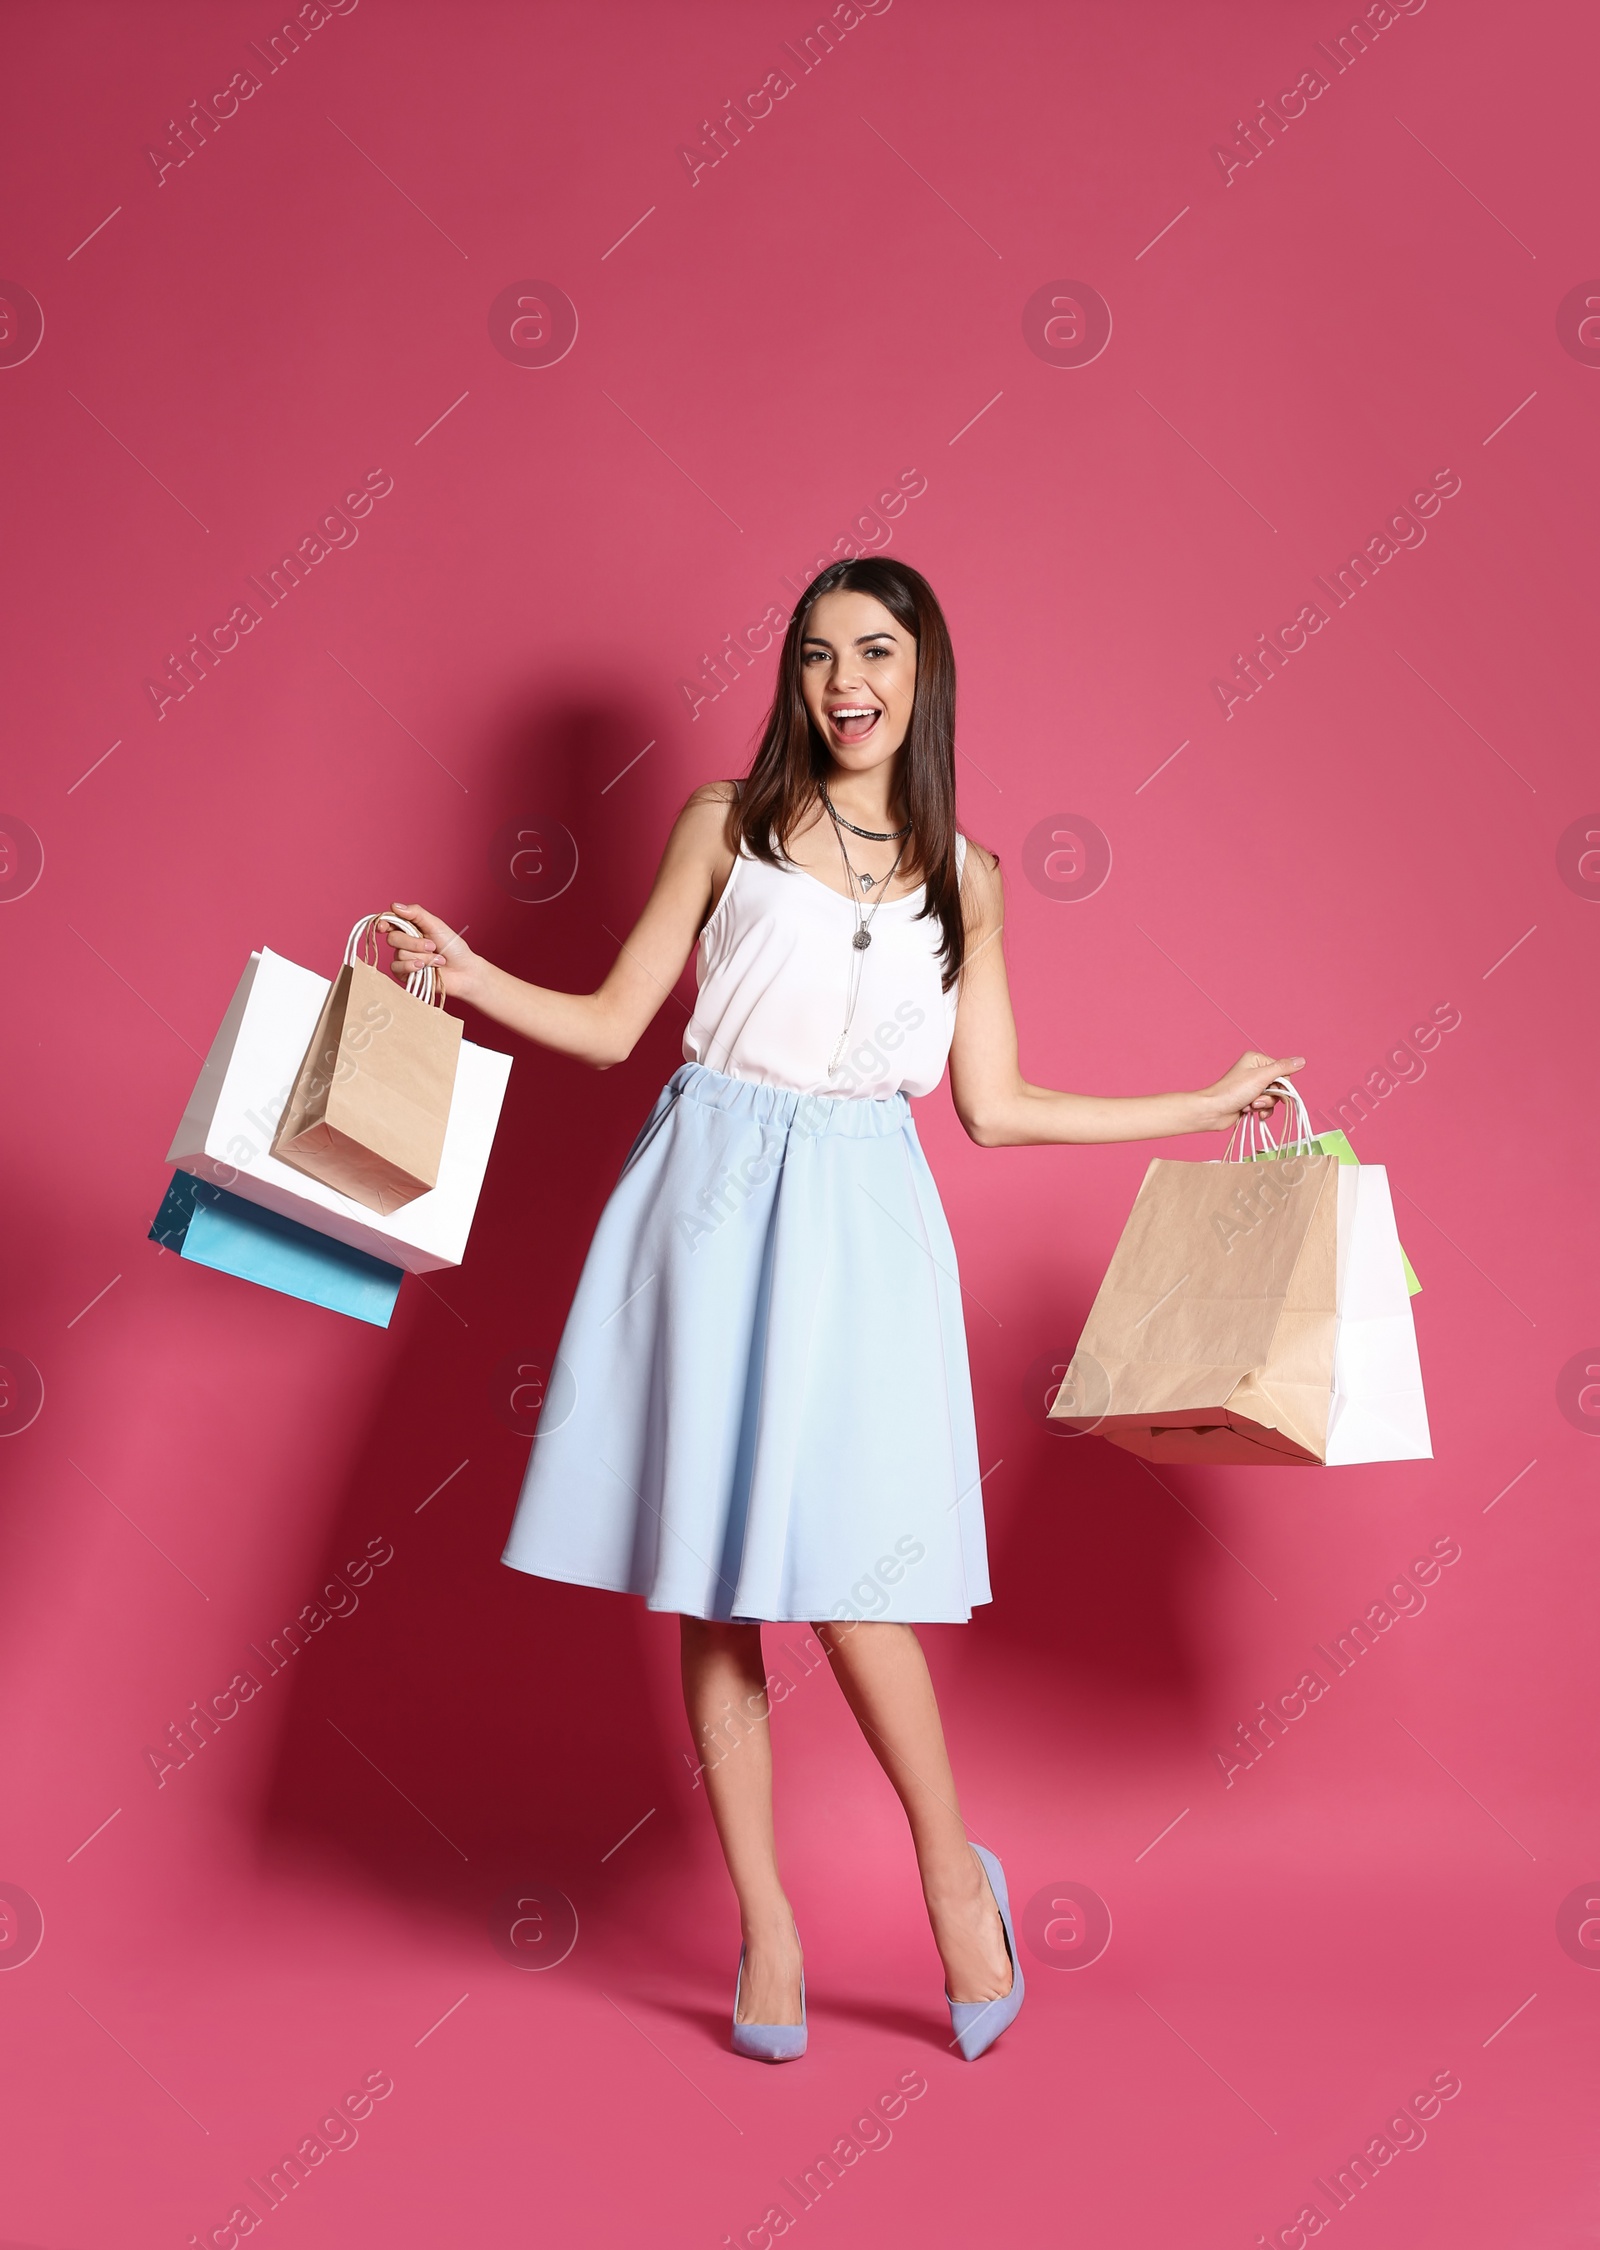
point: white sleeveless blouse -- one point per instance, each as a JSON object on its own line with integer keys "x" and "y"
{"x": 774, "y": 967}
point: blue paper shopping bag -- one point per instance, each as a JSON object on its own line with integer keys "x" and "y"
{"x": 210, "y": 1227}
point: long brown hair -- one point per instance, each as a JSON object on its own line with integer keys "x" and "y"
{"x": 792, "y": 759}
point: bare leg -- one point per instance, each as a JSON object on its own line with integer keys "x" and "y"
{"x": 725, "y": 1695}
{"x": 884, "y": 1677}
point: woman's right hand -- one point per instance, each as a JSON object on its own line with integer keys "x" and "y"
{"x": 438, "y": 948}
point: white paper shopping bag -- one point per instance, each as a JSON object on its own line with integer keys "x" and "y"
{"x": 1377, "y": 1412}
{"x": 1376, "y": 1409}
{"x": 225, "y": 1133}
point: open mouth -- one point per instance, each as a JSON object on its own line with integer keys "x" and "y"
{"x": 853, "y": 722}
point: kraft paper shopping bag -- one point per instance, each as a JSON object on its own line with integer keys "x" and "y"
{"x": 370, "y": 1103}
{"x": 1212, "y": 1335}
{"x": 226, "y": 1131}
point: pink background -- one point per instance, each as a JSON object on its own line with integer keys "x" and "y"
{"x": 1295, "y": 351}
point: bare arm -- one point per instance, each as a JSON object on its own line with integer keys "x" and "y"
{"x": 1001, "y": 1110}
{"x": 599, "y": 1027}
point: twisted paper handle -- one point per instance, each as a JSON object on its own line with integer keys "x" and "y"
{"x": 1255, "y": 1136}
{"x": 423, "y": 984}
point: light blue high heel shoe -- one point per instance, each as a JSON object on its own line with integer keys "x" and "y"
{"x": 768, "y": 2042}
{"x": 977, "y": 2024}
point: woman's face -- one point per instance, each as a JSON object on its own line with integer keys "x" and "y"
{"x": 858, "y": 674}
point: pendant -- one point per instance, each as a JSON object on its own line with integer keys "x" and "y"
{"x": 866, "y": 881}
{"x": 861, "y": 940}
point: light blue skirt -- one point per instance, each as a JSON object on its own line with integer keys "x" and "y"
{"x": 761, "y": 1407}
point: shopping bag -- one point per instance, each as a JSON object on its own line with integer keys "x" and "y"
{"x": 226, "y": 1131}
{"x": 209, "y": 1227}
{"x": 1377, "y": 1411}
{"x": 370, "y": 1103}
{"x": 1337, "y": 1144}
{"x": 1212, "y": 1335}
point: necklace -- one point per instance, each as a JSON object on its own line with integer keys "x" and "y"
{"x": 864, "y": 922}
{"x": 872, "y": 835}
{"x": 863, "y": 932}
{"x": 854, "y": 874}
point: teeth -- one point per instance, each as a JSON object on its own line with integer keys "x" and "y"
{"x": 850, "y": 714}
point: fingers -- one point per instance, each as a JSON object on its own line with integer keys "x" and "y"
{"x": 432, "y": 942}
{"x": 412, "y": 952}
{"x": 1285, "y": 1067}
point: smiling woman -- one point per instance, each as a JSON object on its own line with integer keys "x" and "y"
{"x": 766, "y": 1351}
{"x": 872, "y": 676}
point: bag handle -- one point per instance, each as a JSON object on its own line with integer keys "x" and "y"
{"x": 423, "y": 984}
{"x": 1244, "y": 1141}
{"x": 1255, "y": 1136}
{"x": 1290, "y": 1095}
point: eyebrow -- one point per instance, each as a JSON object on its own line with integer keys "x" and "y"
{"x": 816, "y": 639}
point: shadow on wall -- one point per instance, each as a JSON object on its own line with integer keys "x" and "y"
{"x": 1096, "y": 1565}
{"x": 519, "y": 1718}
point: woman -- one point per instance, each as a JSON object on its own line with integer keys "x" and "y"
{"x": 761, "y": 1407}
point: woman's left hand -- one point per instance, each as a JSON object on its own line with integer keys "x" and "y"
{"x": 1245, "y": 1087}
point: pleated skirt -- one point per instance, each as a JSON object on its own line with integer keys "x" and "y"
{"x": 761, "y": 1407}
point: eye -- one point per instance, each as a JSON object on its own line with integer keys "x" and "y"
{"x": 877, "y": 652}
